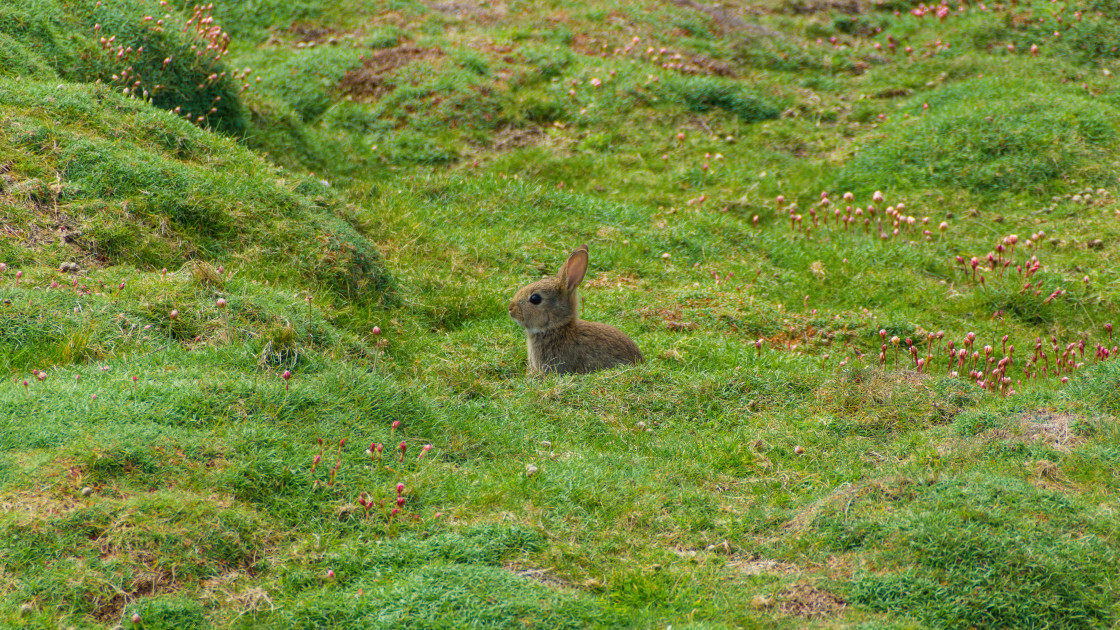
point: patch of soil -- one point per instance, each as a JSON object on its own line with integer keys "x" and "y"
{"x": 848, "y": 7}
{"x": 151, "y": 583}
{"x": 307, "y": 33}
{"x": 517, "y": 138}
{"x": 108, "y": 610}
{"x": 369, "y": 82}
{"x": 893, "y": 93}
{"x": 806, "y": 600}
{"x": 478, "y": 12}
{"x": 672, "y": 317}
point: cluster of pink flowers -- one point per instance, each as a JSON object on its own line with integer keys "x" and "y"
{"x": 885, "y": 223}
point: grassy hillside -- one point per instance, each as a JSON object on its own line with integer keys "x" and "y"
{"x": 260, "y": 373}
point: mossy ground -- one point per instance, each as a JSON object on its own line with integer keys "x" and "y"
{"x": 409, "y": 166}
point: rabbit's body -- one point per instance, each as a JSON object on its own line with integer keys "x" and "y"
{"x": 558, "y": 341}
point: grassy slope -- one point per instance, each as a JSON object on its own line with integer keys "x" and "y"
{"x": 426, "y": 161}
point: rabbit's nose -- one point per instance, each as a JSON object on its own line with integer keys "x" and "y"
{"x": 513, "y": 309}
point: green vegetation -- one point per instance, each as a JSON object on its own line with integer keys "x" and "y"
{"x": 260, "y": 371}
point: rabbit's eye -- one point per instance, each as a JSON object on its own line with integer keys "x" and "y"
{"x": 535, "y": 299}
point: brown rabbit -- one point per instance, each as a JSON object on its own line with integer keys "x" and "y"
{"x": 558, "y": 341}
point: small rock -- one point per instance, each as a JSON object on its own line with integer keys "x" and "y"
{"x": 1094, "y": 243}
{"x": 531, "y": 470}
{"x": 87, "y": 491}
{"x": 26, "y": 609}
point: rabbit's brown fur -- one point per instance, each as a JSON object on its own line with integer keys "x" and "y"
{"x": 558, "y": 341}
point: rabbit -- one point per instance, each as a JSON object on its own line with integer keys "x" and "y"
{"x": 558, "y": 340}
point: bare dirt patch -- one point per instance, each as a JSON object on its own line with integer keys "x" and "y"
{"x": 517, "y": 138}
{"x": 848, "y": 7}
{"x": 753, "y": 565}
{"x": 308, "y": 33}
{"x": 673, "y": 318}
{"x": 369, "y": 81}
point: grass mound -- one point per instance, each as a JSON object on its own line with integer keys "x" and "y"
{"x": 138, "y": 47}
{"x": 418, "y": 582}
{"x": 119, "y": 182}
{"x": 988, "y": 136}
{"x": 999, "y": 565}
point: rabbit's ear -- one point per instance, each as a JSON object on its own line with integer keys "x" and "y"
{"x": 571, "y": 274}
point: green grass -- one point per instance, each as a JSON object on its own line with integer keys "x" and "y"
{"x": 409, "y": 166}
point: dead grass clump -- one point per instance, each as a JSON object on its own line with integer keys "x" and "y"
{"x": 1051, "y": 429}
{"x": 205, "y": 274}
{"x": 38, "y": 505}
{"x": 1048, "y": 475}
{"x": 537, "y": 574}
{"x": 806, "y": 600}
{"x": 803, "y": 600}
{"x": 891, "y": 488}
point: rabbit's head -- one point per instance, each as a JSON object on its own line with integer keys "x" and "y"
{"x": 552, "y": 302}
